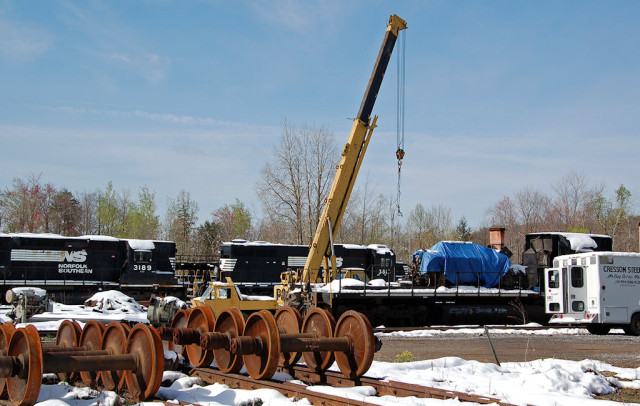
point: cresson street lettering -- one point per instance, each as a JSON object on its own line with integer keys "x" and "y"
{"x": 625, "y": 269}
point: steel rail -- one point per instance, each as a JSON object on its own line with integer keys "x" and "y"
{"x": 336, "y": 379}
{"x": 385, "y": 388}
{"x": 288, "y": 389}
{"x": 446, "y": 328}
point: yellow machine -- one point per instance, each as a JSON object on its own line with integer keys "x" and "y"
{"x": 321, "y": 250}
{"x": 220, "y": 296}
{"x": 296, "y": 287}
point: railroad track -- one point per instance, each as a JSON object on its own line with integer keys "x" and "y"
{"x": 336, "y": 380}
{"x": 447, "y": 328}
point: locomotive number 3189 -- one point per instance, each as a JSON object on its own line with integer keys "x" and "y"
{"x": 141, "y": 268}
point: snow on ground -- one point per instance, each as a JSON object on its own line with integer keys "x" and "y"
{"x": 540, "y": 382}
{"x": 477, "y": 330}
{"x": 103, "y": 306}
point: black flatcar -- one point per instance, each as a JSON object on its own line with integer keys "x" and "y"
{"x": 256, "y": 265}
{"x": 71, "y": 269}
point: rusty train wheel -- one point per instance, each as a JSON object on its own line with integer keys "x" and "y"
{"x": 203, "y": 320}
{"x": 322, "y": 323}
{"x": 23, "y": 390}
{"x": 6, "y": 331}
{"x": 114, "y": 340}
{"x": 357, "y": 362}
{"x": 91, "y": 338}
{"x": 230, "y": 322}
{"x": 144, "y": 342}
{"x": 68, "y": 336}
{"x": 289, "y": 321}
{"x": 262, "y": 325}
{"x": 179, "y": 321}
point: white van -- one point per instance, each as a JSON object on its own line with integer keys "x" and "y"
{"x": 599, "y": 290}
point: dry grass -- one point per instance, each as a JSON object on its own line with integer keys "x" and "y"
{"x": 622, "y": 395}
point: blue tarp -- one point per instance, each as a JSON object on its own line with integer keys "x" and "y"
{"x": 464, "y": 263}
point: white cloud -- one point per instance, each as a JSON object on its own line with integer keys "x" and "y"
{"x": 299, "y": 16}
{"x": 182, "y": 120}
{"x": 150, "y": 66}
{"x": 20, "y": 43}
{"x": 115, "y": 41}
{"x": 205, "y": 163}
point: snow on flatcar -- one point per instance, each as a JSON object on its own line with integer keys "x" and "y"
{"x": 71, "y": 269}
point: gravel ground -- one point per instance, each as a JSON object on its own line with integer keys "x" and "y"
{"x": 615, "y": 349}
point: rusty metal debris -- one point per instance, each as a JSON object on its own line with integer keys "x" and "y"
{"x": 263, "y": 342}
{"x": 96, "y": 352}
{"x": 131, "y": 360}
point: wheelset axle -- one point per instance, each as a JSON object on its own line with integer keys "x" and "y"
{"x": 25, "y": 360}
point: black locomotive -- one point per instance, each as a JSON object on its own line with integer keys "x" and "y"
{"x": 256, "y": 266}
{"x": 71, "y": 269}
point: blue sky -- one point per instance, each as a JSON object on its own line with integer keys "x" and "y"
{"x": 190, "y": 95}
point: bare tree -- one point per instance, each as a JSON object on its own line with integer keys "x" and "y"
{"x": 613, "y": 216}
{"x": 428, "y": 226}
{"x": 26, "y": 205}
{"x": 571, "y": 198}
{"x": 64, "y": 213}
{"x": 88, "y": 204}
{"x": 272, "y": 228}
{"x": 364, "y": 222}
{"x": 533, "y": 207}
{"x": 180, "y": 222}
{"x": 233, "y": 220}
{"x": 320, "y": 152}
{"x": 295, "y": 183}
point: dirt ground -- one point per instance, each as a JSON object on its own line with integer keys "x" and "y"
{"x": 615, "y": 349}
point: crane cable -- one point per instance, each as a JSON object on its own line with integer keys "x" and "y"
{"x": 400, "y": 111}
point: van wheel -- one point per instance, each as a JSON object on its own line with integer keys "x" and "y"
{"x": 633, "y": 329}
{"x": 598, "y": 329}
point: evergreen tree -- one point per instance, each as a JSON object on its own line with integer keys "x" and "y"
{"x": 463, "y": 232}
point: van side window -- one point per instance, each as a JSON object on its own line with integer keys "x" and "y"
{"x": 553, "y": 278}
{"x": 577, "y": 280}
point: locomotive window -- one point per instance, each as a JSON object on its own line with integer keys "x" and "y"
{"x": 142, "y": 256}
{"x": 577, "y": 281}
{"x": 554, "y": 307}
{"x": 224, "y": 293}
{"x": 577, "y": 306}
{"x": 553, "y": 277}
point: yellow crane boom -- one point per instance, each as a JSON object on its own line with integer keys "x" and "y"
{"x": 347, "y": 171}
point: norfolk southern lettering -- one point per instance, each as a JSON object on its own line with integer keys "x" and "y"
{"x": 74, "y": 262}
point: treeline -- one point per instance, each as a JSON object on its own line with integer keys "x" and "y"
{"x": 292, "y": 188}
{"x": 576, "y": 205}
{"x": 30, "y": 205}
{"x": 33, "y": 206}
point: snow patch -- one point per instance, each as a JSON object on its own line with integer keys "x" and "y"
{"x": 113, "y": 300}
{"x": 141, "y": 244}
